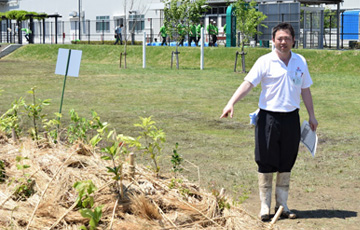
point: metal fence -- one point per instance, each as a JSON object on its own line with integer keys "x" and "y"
{"x": 64, "y": 32}
{"x": 318, "y": 29}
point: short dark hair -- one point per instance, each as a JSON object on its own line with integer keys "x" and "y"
{"x": 283, "y": 26}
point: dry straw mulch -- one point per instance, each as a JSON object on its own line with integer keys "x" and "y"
{"x": 148, "y": 201}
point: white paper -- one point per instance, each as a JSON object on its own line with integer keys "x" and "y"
{"x": 253, "y": 117}
{"x": 74, "y": 62}
{"x": 61, "y": 61}
{"x": 309, "y": 137}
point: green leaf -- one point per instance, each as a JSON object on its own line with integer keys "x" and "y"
{"x": 98, "y": 212}
{"x": 106, "y": 158}
{"x": 18, "y": 158}
{"x": 112, "y": 170}
{"x": 87, "y": 213}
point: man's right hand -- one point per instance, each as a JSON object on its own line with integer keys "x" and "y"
{"x": 227, "y": 110}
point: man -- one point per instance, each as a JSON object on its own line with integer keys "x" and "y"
{"x": 27, "y": 33}
{"x": 198, "y": 32}
{"x": 213, "y": 32}
{"x": 163, "y": 35}
{"x": 182, "y": 32}
{"x": 118, "y": 35}
{"x": 192, "y": 33}
{"x": 284, "y": 76}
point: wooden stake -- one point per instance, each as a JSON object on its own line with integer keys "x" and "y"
{"x": 121, "y": 183}
{"x": 277, "y": 215}
{"x": 132, "y": 166}
{"x": 222, "y": 192}
{"x": 13, "y": 134}
{"x": 113, "y": 214}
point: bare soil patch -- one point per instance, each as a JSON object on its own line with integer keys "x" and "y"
{"x": 332, "y": 207}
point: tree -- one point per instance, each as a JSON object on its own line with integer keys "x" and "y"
{"x": 128, "y": 6}
{"x": 247, "y": 21}
{"x": 181, "y": 12}
{"x": 22, "y": 15}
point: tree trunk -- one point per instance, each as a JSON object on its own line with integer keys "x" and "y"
{"x": 243, "y": 57}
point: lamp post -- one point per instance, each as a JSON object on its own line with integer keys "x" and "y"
{"x": 79, "y": 19}
{"x": 203, "y": 34}
{"x": 133, "y": 27}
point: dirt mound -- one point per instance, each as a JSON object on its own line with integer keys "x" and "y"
{"x": 149, "y": 201}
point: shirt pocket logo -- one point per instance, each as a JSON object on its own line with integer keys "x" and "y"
{"x": 296, "y": 78}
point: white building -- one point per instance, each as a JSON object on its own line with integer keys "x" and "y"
{"x": 99, "y": 19}
{"x": 348, "y": 5}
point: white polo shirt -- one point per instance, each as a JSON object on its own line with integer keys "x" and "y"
{"x": 281, "y": 85}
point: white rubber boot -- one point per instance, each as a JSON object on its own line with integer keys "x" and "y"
{"x": 282, "y": 193}
{"x": 265, "y": 189}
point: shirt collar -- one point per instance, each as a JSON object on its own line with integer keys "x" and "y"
{"x": 275, "y": 57}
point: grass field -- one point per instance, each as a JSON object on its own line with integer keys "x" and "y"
{"x": 187, "y": 103}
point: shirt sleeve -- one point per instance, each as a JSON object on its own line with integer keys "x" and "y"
{"x": 307, "y": 81}
{"x": 256, "y": 73}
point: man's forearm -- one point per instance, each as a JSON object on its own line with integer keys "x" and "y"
{"x": 307, "y": 98}
{"x": 241, "y": 92}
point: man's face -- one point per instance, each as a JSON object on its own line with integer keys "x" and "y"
{"x": 283, "y": 41}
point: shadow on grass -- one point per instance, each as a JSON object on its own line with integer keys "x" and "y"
{"x": 324, "y": 213}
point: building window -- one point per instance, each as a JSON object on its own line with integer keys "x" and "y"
{"x": 118, "y": 21}
{"x": 214, "y": 10}
{"x": 102, "y": 24}
{"x": 136, "y": 22}
{"x": 222, "y": 10}
{"x": 223, "y": 21}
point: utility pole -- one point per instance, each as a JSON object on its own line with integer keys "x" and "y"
{"x": 79, "y": 19}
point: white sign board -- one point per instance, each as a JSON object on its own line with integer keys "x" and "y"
{"x": 63, "y": 60}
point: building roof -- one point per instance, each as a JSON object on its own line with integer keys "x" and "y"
{"x": 318, "y": 2}
{"x": 309, "y": 2}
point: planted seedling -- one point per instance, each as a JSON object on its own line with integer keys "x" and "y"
{"x": 80, "y": 127}
{"x": 221, "y": 200}
{"x": 85, "y": 189}
{"x": 34, "y": 111}
{"x": 50, "y": 127}
{"x": 2, "y": 172}
{"x": 9, "y": 121}
{"x": 85, "y": 201}
{"x": 114, "y": 153}
{"x": 26, "y": 187}
{"x": 154, "y": 138}
{"x": 176, "y": 160}
{"x": 93, "y": 215}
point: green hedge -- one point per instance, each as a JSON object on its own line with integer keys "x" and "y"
{"x": 20, "y": 15}
{"x": 354, "y": 45}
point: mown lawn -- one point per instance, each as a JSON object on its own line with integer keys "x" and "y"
{"x": 187, "y": 103}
